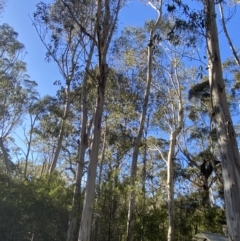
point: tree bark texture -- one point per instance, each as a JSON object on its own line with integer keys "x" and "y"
{"x": 226, "y": 134}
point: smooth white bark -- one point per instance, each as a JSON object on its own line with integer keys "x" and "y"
{"x": 104, "y": 36}
{"x": 226, "y": 134}
{"x": 72, "y": 225}
{"x": 170, "y": 169}
{"x": 132, "y": 198}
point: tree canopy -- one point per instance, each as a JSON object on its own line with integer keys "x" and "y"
{"x": 140, "y": 140}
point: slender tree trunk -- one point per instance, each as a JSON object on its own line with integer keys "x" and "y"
{"x": 5, "y": 157}
{"x": 43, "y": 168}
{"x": 113, "y": 205}
{"x": 237, "y": 60}
{"x": 73, "y": 219}
{"x": 170, "y": 190}
{"x": 170, "y": 164}
{"x": 170, "y": 185}
{"x": 33, "y": 120}
{"x": 226, "y": 135}
{"x": 144, "y": 183}
{"x": 84, "y": 232}
{"x": 108, "y": 18}
{"x": 62, "y": 129}
{"x": 83, "y": 145}
{"x": 97, "y": 226}
{"x": 132, "y": 198}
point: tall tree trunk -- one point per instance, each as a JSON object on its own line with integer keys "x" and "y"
{"x": 144, "y": 172}
{"x": 29, "y": 142}
{"x": 83, "y": 145}
{"x": 104, "y": 36}
{"x": 178, "y": 125}
{"x": 84, "y": 232}
{"x": 170, "y": 181}
{"x": 170, "y": 188}
{"x": 226, "y": 135}
{"x": 62, "y": 129}
{"x": 132, "y": 198}
{"x": 97, "y": 226}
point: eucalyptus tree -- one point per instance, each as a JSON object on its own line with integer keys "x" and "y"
{"x": 220, "y": 114}
{"x": 132, "y": 197}
{"x": 65, "y": 42}
{"x": 227, "y": 142}
{"x": 82, "y": 17}
{"x": 27, "y": 127}
{"x": 170, "y": 118}
{"x": 83, "y": 144}
{"x": 119, "y": 133}
{"x": 14, "y": 90}
{"x": 106, "y": 15}
{"x": 199, "y": 146}
{"x": 203, "y": 21}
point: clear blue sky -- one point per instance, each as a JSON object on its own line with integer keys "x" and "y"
{"x": 17, "y": 14}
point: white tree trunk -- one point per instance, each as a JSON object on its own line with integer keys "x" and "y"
{"x": 226, "y": 135}
{"x": 170, "y": 181}
{"x": 104, "y": 36}
{"x": 175, "y": 131}
{"x": 132, "y": 198}
{"x": 170, "y": 187}
{"x": 72, "y": 225}
{"x": 85, "y": 226}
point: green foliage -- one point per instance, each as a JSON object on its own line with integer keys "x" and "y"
{"x": 37, "y": 208}
{"x": 40, "y": 207}
{"x": 155, "y": 225}
{"x": 191, "y": 217}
